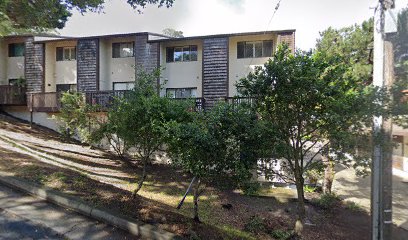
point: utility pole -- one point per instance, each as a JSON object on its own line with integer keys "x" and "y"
{"x": 381, "y": 178}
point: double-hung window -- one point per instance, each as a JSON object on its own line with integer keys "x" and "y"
{"x": 181, "y": 92}
{"x": 256, "y": 49}
{"x": 16, "y": 50}
{"x": 181, "y": 54}
{"x": 122, "y": 49}
{"x": 66, "y": 53}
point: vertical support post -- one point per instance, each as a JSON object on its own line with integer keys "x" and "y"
{"x": 381, "y": 178}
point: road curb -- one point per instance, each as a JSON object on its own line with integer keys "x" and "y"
{"x": 137, "y": 228}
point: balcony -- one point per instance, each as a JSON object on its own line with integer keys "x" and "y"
{"x": 235, "y": 101}
{"x": 44, "y": 102}
{"x": 103, "y": 100}
{"x": 199, "y": 103}
{"x": 100, "y": 100}
{"x": 12, "y": 95}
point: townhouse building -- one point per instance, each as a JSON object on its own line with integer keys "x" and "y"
{"x": 201, "y": 67}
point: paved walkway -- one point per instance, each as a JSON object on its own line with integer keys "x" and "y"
{"x": 25, "y": 217}
{"x": 357, "y": 189}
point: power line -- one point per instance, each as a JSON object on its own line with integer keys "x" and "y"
{"x": 266, "y": 30}
{"x": 273, "y": 15}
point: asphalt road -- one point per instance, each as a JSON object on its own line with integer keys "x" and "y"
{"x": 23, "y": 216}
{"x": 15, "y": 227}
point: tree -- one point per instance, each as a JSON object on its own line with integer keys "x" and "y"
{"x": 75, "y": 116}
{"x": 49, "y": 14}
{"x": 172, "y": 33}
{"x": 399, "y": 90}
{"x": 312, "y": 105}
{"x": 354, "y": 46}
{"x": 222, "y": 141}
{"x": 141, "y": 117}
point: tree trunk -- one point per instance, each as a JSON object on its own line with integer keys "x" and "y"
{"x": 139, "y": 186}
{"x": 196, "y": 196}
{"x": 328, "y": 174}
{"x": 301, "y": 200}
{"x": 301, "y": 203}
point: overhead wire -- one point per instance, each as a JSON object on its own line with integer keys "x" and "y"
{"x": 267, "y": 27}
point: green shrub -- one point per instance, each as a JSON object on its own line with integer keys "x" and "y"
{"x": 255, "y": 225}
{"x": 353, "y": 206}
{"x": 327, "y": 200}
{"x": 309, "y": 189}
{"x": 281, "y": 234}
{"x": 251, "y": 188}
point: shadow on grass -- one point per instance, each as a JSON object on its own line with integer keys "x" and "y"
{"x": 116, "y": 166}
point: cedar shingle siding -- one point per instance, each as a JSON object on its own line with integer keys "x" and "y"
{"x": 146, "y": 54}
{"x": 34, "y": 66}
{"x": 215, "y": 69}
{"x": 87, "y": 65}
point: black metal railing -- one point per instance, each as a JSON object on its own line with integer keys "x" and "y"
{"x": 199, "y": 103}
{"x": 12, "y": 95}
{"x": 103, "y": 100}
{"x": 235, "y": 101}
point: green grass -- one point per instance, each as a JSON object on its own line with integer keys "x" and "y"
{"x": 233, "y": 233}
{"x": 309, "y": 189}
{"x": 281, "y": 234}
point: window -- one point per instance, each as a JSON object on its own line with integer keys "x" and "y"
{"x": 123, "y": 85}
{"x": 16, "y": 49}
{"x": 122, "y": 50}
{"x": 181, "y": 54}
{"x": 254, "y": 49}
{"x": 66, "y": 87}
{"x": 66, "y": 53}
{"x": 181, "y": 92}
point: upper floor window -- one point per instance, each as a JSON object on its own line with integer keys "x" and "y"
{"x": 181, "y": 92}
{"x": 123, "y": 85}
{"x": 16, "y": 49}
{"x": 122, "y": 49}
{"x": 66, "y": 53}
{"x": 181, "y": 54}
{"x": 256, "y": 49}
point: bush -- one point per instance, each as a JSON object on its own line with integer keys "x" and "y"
{"x": 327, "y": 200}
{"x": 353, "y": 206}
{"x": 250, "y": 188}
{"x": 309, "y": 189}
{"x": 255, "y": 225}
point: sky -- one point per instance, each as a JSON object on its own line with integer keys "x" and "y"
{"x": 199, "y": 17}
